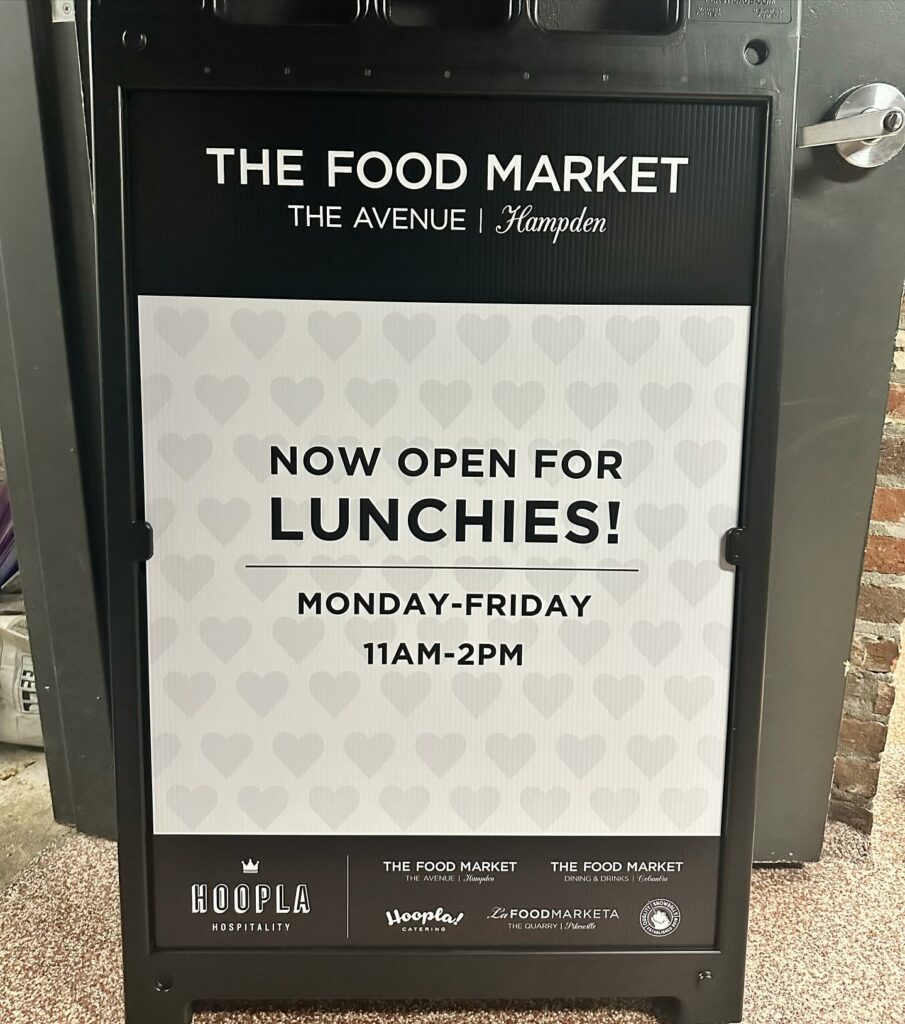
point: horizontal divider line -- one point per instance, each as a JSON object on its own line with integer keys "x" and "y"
{"x": 467, "y": 568}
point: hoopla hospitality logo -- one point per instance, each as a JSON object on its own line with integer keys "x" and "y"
{"x": 660, "y": 917}
{"x": 437, "y": 919}
{"x": 250, "y": 908}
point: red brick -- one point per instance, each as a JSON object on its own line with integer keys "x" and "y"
{"x": 886, "y": 697}
{"x": 874, "y": 655}
{"x": 862, "y": 739}
{"x": 885, "y": 555}
{"x": 881, "y": 604}
{"x": 895, "y": 405}
{"x": 892, "y": 456}
{"x": 889, "y": 505}
{"x": 855, "y": 815}
{"x": 856, "y": 778}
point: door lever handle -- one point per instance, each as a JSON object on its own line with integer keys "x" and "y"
{"x": 868, "y": 127}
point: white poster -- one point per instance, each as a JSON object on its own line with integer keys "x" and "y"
{"x": 434, "y": 568}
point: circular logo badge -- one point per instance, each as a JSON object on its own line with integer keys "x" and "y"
{"x": 660, "y": 917}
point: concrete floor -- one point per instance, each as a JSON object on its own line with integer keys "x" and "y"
{"x": 26, "y": 817}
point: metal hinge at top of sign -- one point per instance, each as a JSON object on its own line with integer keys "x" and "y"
{"x": 62, "y": 10}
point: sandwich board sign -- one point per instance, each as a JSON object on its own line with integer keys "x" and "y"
{"x": 438, "y": 411}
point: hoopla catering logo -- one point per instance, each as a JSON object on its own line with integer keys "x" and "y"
{"x": 437, "y": 919}
{"x": 660, "y": 917}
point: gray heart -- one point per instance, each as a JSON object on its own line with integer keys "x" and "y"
{"x": 484, "y": 578}
{"x": 707, "y": 338}
{"x": 656, "y": 640}
{"x": 189, "y": 693}
{"x": 689, "y": 696}
{"x": 440, "y": 753}
{"x": 334, "y": 693}
{"x": 223, "y": 519}
{"x": 614, "y": 806}
{"x": 360, "y": 631}
{"x": 721, "y": 519}
{"x": 400, "y": 572}
{"x": 226, "y": 753}
{"x": 298, "y": 753}
{"x": 297, "y": 398}
{"x": 660, "y": 524}
{"x": 336, "y": 579}
{"x": 181, "y": 329}
{"x": 518, "y": 402}
{"x": 545, "y": 574}
{"x": 547, "y": 693}
{"x": 584, "y": 640}
{"x": 631, "y": 338}
{"x": 191, "y": 806}
{"x": 222, "y": 398}
{"x": 254, "y": 453}
{"x": 651, "y": 755}
{"x": 448, "y": 634}
{"x": 700, "y": 462}
{"x": 729, "y": 399}
{"x": 225, "y": 637}
{"x": 165, "y": 750}
{"x": 477, "y": 693}
{"x": 483, "y": 336}
{"x": 717, "y": 640}
{"x": 712, "y": 752}
{"x": 336, "y": 333}
{"x": 369, "y": 753}
{"x": 558, "y": 336}
{"x": 666, "y": 403}
{"x": 544, "y": 806}
{"x": 261, "y": 582}
{"x": 263, "y": 806}
{"x": 510, "y": 753}
{"x": 592, "y": 403}
{"x": 445, "y": 402}
{"x": 618, "y": 696}
{"x": 258, "y": 332}
{"x": 160, "y": 513}
{"x": 474, "y": 806}
{"x": 349, "y": 443}
{"x": 636, "y": 458}
{"x": 185, "y": 455}
{"x": 581, "y": 754}
{"x": 623, "y": 585}
{"x": 262, "y": 693}
{"x": 404, "y": 806}
{"x": 405, "y": 693}
{"x": 333, "y": 805}
{"x": 694, "y": 580}
{"x": 393, "y": 448}
{"x": 683, "y": 807}
{"x": 298, "y": 639}
{"x": 162, "y": 635}
{"x": 156, "y": 391}
{"x": 409, "y": 335}
{"x": 188, "y": 576}
{"x": 505, "y": 632}
{"x": 372, "y": 400}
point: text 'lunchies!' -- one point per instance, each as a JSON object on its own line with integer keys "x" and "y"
{"x": 432, "y": 519}
{"x": 447, "y": 172}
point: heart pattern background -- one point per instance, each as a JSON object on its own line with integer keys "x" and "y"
{"x": 267, "y": 722}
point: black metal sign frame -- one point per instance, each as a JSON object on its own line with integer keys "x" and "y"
{"x": 139, "y": 45}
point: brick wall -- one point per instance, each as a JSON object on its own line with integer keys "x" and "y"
{"x": 869, "y": 685}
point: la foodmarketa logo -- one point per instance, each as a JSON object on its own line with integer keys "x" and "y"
{"x": 435, "y": 920}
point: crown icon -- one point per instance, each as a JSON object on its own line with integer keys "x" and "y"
{"x": 250, "y": 867}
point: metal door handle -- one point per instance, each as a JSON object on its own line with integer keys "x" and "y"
{"x": 867, "y": 128}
